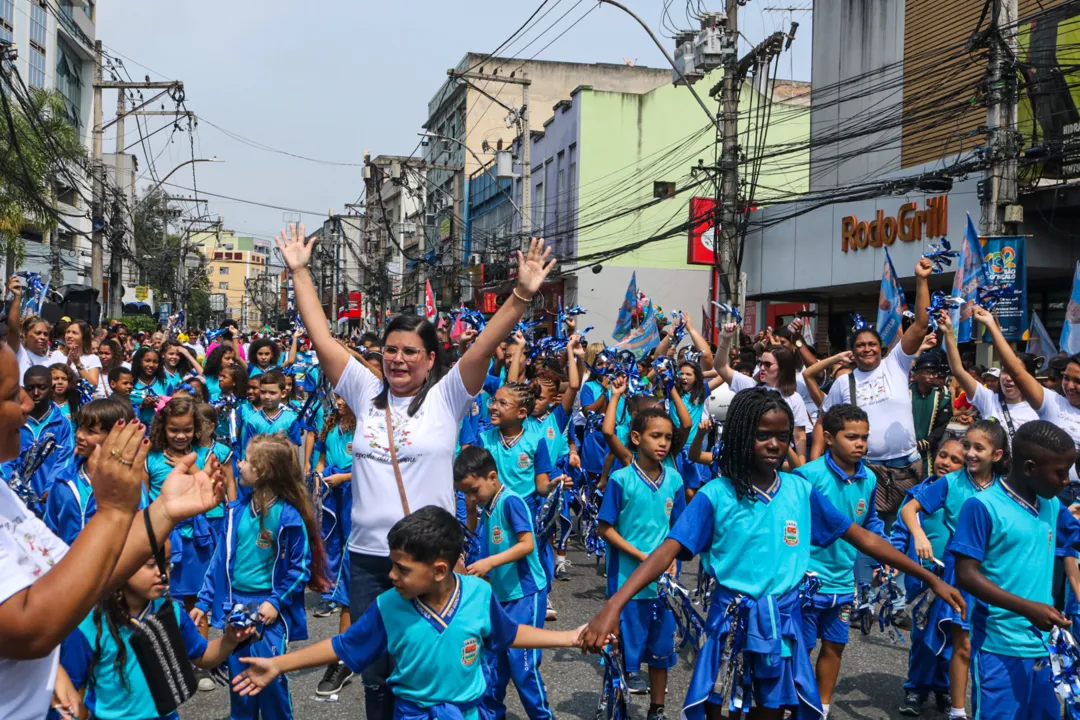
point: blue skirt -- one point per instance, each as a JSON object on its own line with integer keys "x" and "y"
{"x": 776, "y": 667}
{"x": 196, "y": 541}
{"x": 942, "y": 618}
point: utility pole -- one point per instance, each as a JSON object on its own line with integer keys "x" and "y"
{"x": 97, "y": 281}
{"x": 725, "y": 234}
{"x": 119, "y": 234}
{"x": 999, "y": 208}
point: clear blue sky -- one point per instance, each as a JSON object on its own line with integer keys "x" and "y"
{"x": 328, "y": 79}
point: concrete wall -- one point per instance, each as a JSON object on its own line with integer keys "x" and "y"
{"x": 853, "y": 38}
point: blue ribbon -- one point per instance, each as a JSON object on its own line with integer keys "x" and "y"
{"x": 614, "y": 695}
{"x": 858, "y": 323}
{"x": 35, "y": 293}
{"x": 729, "y": 309}
{"x": 941, "y": 255}
{"x": 689, "y": 622}
{"x": 29, "y": 463}
{"x": 877, "y": 604}
{"x": 547, "y": 515}
{"x": 1065, "y": 667}
{"x": 678, "y": 330}
{"x": 924, "y": 599}
{"x": 591, "y": 497}
{"x": 86, "y": 391}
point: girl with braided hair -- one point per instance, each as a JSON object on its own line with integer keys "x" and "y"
{"x": 753, "y": 527}
{"x": 98, "y": 657}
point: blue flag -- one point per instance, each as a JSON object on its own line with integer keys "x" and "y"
{"x": 891, "y": 301}
{"x": 1038, "y": 340}
{"x": 970, "y": 276}
{"x": 643, "y": 338}
{"x": 1070, "y": 332}
{"x": 626, "y": 312}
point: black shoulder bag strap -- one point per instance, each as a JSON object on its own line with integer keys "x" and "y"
{"x": 851, "y": 387}
{"x": 1005, "y": 411}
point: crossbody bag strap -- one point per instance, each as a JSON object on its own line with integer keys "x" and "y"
{"x": 851, "y": 388}
{"x": 157, "y": 551}
{"x": 394, "y": 460}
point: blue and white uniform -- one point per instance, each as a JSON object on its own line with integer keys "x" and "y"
{"x": 694, "y": 474}
{"x": 829, "y": 613}
{"x": 89, "y": 655}
{"x": 438, "y": 653}
{"x": 642, "y": 511}
{"x": 259, "y": 422}
{"x": 594, "y": 448}
{"x": 758, "y": 549}
{"x": 1015, "y": 544}
{"x": 337, "y": 511}
{"x": 196, "y": 537}
{"x": 159, "y": 387}
{"x": 521, "y": 589}
{"x": 59, "y": 461}
{"x": 265, "y": 559}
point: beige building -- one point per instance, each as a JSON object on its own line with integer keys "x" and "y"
{"x": 233, "y": 263}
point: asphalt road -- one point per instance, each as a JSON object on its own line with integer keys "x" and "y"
{"x": 869, "y": 685}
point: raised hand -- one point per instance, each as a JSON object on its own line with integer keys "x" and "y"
{"x": 120, "y": 467}
{"x": 533, "y": 267}
{"x": 185, "y": 493}
{"x": 294, "y": 248}
{"x": 924, "y": 268}
{"x": 984, "y": 316}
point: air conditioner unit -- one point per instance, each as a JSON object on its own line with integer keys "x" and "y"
{"x": 475, "y": 260}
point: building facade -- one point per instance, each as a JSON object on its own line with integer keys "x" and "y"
{"x": 55, "y": 43}
{"x": 239, "y": 268}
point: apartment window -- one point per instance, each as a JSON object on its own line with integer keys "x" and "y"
{"x": 539, "y": 208}
{"x": 223, "y": 270}
{"x": 560, "y": 194}
{"x": 89, "y": 9}
{"x": 223, "y": 286}
{"x": 571, "y": 188}
{"x": 39, "y": 23}
{"x": 69, "y": 80}
{"x": 7, "y": 20}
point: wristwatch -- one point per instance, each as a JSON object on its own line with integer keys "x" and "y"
{"x": 799, "y": 343}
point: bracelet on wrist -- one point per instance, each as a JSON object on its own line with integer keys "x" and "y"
{"x": 522, "y": 298}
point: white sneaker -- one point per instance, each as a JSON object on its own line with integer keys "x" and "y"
{"x": 551, "y": 614}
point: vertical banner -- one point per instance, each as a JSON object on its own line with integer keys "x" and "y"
{"x": 890, "y": 313}
{"x": 1006, "y": 264}
{"x": 626, "y": 313}
{"x": 1039, "y": 342}
{"x": 970, "y": 276}
{"x": 429, "y": 302}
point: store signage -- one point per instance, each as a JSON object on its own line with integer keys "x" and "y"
{"x": 701, "y": 248}
{"x": 910, "y": 224}
{"x": 1006, "y": 264}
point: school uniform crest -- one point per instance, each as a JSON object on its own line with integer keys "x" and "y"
{"x": 551, "y": 433}
{"x": 264, "y": 541}
{"x": 668, "y": 506}
{"x": 845, "y": 613}
{"x": 470, "y": 651}
{"x": 791, "y": 533}
{"x": 348, "y": 448}
{"x": 860, "y": 509}
{"x": 524, "y": 461}
{"x": 497, "y": 535}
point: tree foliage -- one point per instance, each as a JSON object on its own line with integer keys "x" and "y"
{"x": 39, "y": 150}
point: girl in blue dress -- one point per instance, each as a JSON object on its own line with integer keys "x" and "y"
{"x": 65, "y": 392}
{"x": 150, "y": 383}
{"x": 219, "y": 358}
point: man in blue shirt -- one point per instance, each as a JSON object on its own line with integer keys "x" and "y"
{"x": 1005, "y": 542}
{"x": 437, "y": 625}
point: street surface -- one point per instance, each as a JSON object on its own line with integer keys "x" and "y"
{"x": 869, "y": 687}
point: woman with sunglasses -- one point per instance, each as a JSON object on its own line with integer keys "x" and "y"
{"x": 407, "y": 422}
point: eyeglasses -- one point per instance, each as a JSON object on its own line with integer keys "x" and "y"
{"x": 409, "y": 353}
{"x": 766, "y": 364}
{"x": 500, "y": 403}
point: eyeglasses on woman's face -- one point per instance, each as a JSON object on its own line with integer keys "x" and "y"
{"x": 409, "y": 354}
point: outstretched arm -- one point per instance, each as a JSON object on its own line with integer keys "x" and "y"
{"x": 969, "y": 576}
{"x": 1029, "y": 386}
{"x": 915, "y": 333}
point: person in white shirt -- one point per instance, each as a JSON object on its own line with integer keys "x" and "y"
{"x": 407, "y": 422}
{"x": 27, "y": 337}
{"x": 47, "y": 588}
{"x": 78, "y": 354}
{"x": 1062, "y": 409}
{"x": 1007, "y": 406}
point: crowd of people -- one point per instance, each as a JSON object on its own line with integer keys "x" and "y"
{"x": 426, "y": 485}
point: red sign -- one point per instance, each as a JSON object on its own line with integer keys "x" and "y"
{"x": 355, "y": 309}
{"x": 429, "y": 303}
{"x": 700, "y": 247}
{"x": 488, "y": 304}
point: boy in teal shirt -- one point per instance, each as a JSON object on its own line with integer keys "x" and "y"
{"x": 511, "y": 561}
{"x": 437, "y": 625}
{"x": 850, "y": 486}
{"x": 1004, "y": 547}
{"x": 271, "y": 417}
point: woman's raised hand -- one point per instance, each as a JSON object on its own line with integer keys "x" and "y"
{"x": 295, "y": 249}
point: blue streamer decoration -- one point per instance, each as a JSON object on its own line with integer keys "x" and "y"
{"x": 689, "y": 622}
{"x": 857, "y": 323}
{"x": 941, "y": 255}
{"x": 591, "y": 498}
{"x": 1065, "y": 667}
{"x": 86, "y": 391}
{"x": 678, "y": 329}
{"x": 614, "y": 695}
{"x": 547, "y": 515}
{"x": 729, "y": 309}
{"x": 29, "y": 463}
{"x": 733, "y": 683}
{"x": 877, "y": 605}
{"x": 989, "y": 297}
{"x": 924, "y": 599}
{"x": 212, "y": 335}
{"x": 34, "y": 293}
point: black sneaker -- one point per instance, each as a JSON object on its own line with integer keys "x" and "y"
{"x": 335, "y": 678}
{"x": 205, "y": 681}
{"x": 636, "y": 684}
{"x": 325, "y": 608}
{"x": 657, "y": 714}
{"x": 912, "y": 705}
{"x": 943, "y": 701}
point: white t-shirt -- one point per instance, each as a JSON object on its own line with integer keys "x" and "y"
{"x": 28, "y": 550}
{"x": 425, "y": 450}
{"x": 89, "y": 362}
{"x": 808, "y": 400}
{"x": 884, "y": 395}
{"x": 740, "y": 382}
{"x": 989, "y": 406}
{"x": 28, "y": 360}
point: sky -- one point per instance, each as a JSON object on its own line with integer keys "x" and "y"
{"x": 329, "y": 79}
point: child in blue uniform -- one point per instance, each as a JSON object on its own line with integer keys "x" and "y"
{"x": 172, "y": 436}
{"x": 219, "y": 358}
{"x": 986, "y": 452}
{"x": 150, "y": 383}
{"x": 207, "y": 438}
{"x": 231, "y": 394}
{"x": 438, "y": 627}
{"x": 71, "y": 502}
{"x": 99, "y": 659}
{"x": 511, "y": 562}
{"x": 272, "y": 550}
{"x": 520, "y": 449}
{"x": 757, "y": 525}
{"x": 594, "y": 401}
{"x": 271, "y": 417}
{"x": 840, "y": 476}
{"x": 45, "y": 419}
{"x": 927, "y": 672}
{"x": 1004, "y": 547}
{"x": 641, "y": 502}
{"x": 65, "y": 392}
{"x": 264, "y": 355}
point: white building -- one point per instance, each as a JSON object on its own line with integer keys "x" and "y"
{"x": 55, "y": 44}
